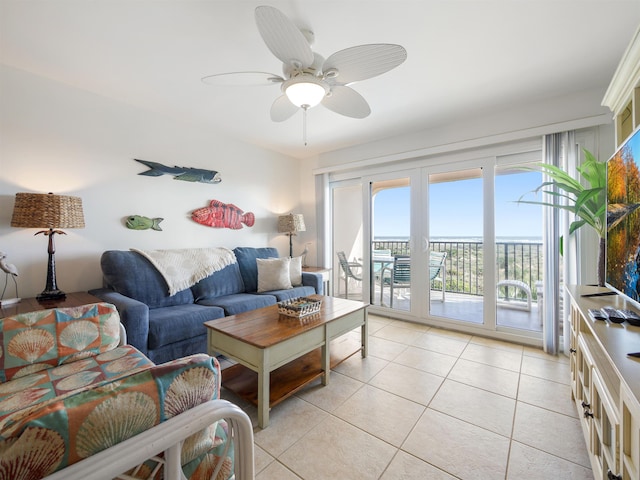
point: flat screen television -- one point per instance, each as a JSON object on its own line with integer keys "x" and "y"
{"x": 623, "y": 220}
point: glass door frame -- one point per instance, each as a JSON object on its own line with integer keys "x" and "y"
{"x": 336, "y": 271}
{"x": 486, "y": 165}
{"x": 418, "y": 262}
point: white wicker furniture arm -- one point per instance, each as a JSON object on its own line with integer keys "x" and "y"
{"x": 167, "y": 437}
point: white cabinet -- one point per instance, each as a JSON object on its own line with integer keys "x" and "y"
{"x": 605, "y": 385}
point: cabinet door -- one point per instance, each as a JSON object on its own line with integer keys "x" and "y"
{"x": 629, "y": 435}
{"x": 584, "y": 369}
{"x": 605, "y": 431}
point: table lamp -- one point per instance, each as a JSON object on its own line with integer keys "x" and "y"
{"x": 290, "y": 225}
{"x": 51, "y": 212}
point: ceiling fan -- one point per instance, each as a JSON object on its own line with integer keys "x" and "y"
{"x": 308, "y": 79}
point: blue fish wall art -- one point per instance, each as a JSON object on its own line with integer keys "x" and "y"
{"x": 180, "y": 173}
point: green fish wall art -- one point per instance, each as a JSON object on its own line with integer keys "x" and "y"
{"x": 138, "y": 222}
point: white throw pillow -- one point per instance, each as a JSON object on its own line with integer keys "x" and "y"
{"x": 273, "y": 274}
{"x": 296, "y": 271}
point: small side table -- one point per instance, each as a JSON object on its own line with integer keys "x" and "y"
{"x": 326, "y": 277}
{"x": 26, "y": 305}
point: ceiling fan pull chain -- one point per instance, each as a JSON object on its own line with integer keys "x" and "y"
{"x": 304, "y": 124}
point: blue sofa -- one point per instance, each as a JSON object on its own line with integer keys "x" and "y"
{"x": 167, "y": 327}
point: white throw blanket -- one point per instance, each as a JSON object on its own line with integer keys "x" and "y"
{"x": 182, "y": 268}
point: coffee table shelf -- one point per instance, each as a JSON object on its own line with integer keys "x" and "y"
{"x": 290, "y": 378}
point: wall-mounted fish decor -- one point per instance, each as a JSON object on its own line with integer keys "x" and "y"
{"x": 223, "y": 215}
{"x": 138, "y": 222}
{"x": 180, "y": 173}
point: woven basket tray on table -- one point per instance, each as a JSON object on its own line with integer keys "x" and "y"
{"x": 299, "y": 307}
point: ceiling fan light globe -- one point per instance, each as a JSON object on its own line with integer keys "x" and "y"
{"x": 305, "y": 91}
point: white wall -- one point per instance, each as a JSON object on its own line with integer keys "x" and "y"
{"x": 54, "y": 138}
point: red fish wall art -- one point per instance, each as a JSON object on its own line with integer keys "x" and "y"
{"x": 223, "y": 215}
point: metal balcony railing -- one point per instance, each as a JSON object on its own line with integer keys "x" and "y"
{"x": 521, "y": 261}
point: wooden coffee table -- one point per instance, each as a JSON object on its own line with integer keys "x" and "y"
{"x": 278, "y": 355}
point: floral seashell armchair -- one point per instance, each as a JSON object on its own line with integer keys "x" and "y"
{"x": 75, "y": 402}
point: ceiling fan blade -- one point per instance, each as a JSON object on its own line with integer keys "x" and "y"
{"x": 362, "y": 62}
{"x": 282, "y": 109}
{"x": 283, "y": 38}
{"x": 346, "y": 101}
{"x": 242, "y": 79}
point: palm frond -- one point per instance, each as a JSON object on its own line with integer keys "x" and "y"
{"x": 587, "y": 203}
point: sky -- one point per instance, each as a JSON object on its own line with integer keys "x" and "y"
{"x": 455, "y": 208}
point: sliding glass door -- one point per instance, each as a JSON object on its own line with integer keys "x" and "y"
{"x": 446, "y": 244}
{"x": 519, "y": 252}
{"x": 390, "y": 256}
{"x": 455, "y": 219}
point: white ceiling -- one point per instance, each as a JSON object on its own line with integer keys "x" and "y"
{"x": 465, "y": 58}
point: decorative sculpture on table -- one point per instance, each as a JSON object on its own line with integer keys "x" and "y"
{"x": 11, "y": 271}
{"x": 139, "y": 222}
{"x": 223, "y": 215}
{"x": 185, "y": 174}
{"x": 304, "y": 254}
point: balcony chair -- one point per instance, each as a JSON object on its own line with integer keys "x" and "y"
{"x": 507, "y": 301}
{"x": 397, "y": 276}
{"x": 348, "y": 273}
{"x": 438, "y": 269}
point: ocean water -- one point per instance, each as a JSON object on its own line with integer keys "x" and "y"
{"x": 506, "y": 239}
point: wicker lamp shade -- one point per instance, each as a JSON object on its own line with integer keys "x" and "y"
{"x": 291, "y": 223}
{"x": 46, "y": 210}
{"x": 50, "y": 212}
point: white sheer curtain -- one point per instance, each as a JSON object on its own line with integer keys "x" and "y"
{"x": 559, "y": 149}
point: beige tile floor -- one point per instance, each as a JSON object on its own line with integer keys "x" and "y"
{"x": 428, "y": 404}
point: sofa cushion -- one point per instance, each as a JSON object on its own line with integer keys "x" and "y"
{"x": 240, "y": 302}
{"x": 42, "y": 386}
{"x": 47, "y": 338}
{"x": 273, "y": 274}
{"x": 180, "y": 322}
{"x": 288, "y": 293}
{"x": 132, "y": 275}
{"x": 295, "y": 271}
{"x": 223, "y": 282}
{"x": 248, "y": 267}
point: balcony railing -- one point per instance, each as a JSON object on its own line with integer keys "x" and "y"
{"x": 521, "y": 261}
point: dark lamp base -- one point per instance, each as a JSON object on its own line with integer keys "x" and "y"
{"x": 51, "y": 295}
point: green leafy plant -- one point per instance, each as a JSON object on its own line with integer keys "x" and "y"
{"x": 587, "y": 201}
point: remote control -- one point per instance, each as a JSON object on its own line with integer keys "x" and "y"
{"x": 613, "y": 315}
{"x": 632, "y": 317}
{"x": 597, "y": 314}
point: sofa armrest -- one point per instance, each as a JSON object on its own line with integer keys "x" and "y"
{"x": 167, "y": 437}
{"x": 134, "y": 315}
{"x": 314, "y": 280}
